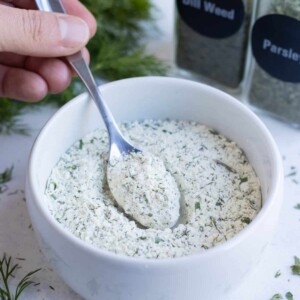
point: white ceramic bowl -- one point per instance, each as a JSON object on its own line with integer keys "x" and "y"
{"x": 98, "y": 274}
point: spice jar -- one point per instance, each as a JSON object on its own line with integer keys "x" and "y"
{"x": 274, "y": 84}
{"x": 212, "y": 39}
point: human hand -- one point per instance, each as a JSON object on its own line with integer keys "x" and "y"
{"x": 33, "y": 44}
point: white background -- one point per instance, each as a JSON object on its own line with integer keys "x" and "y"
{"x": 17, "y": 238}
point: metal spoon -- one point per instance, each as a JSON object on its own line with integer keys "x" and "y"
{"x": 118, "y": 144}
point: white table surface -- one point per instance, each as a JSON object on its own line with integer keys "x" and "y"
{"x": 17, "y": 238}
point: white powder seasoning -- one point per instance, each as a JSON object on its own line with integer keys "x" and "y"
{"x": 145, "y": 189}
{"x": 220, "y": 193}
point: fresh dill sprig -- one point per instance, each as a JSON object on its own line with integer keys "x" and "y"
{"x": 7, "y": 270}
{"x": 10, "y": 112}
{"x": 116, "y": 52}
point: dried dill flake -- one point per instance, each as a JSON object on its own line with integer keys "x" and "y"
{"x": 289, "y": 296}
{"x": 296, "y": 267}
{"x": 197, "y": 205}
{"x": 277, "y": 274}
{"x": 246, "y": 220}
{"x": 81, "y": 144}
{"x": 6, "y": 175}
{"x": 291, "y": 174}
{"x": 244, "y": 179}
{"x": 212, "y": 38}
{"x": 277, "y": 297}
{"x": 158, "y": 240}
{"x": 275, "y": 83}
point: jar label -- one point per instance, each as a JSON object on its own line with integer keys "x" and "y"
{"x": 212, "y": 18}
{"x": 276, "y": 46}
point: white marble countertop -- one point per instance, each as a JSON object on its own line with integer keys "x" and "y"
{"x": 17, "y": 238}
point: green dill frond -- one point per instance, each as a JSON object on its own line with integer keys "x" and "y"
{"x": 7, "y": 270}
{"x": 10, "y": 112}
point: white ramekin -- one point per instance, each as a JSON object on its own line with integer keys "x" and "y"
{"x": 98, "y": 274}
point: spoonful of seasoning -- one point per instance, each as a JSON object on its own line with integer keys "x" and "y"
{"x": 139, "y": 181}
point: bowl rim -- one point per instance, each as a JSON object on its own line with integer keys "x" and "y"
{"x": 275, "y": 188}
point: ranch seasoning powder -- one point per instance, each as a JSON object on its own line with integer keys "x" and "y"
{"x": 212, "y": 39}
{"x": 275, "y": 81}
{"x": 220, "y": 192}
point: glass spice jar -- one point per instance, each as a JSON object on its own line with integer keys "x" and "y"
{"x": 274, "y": 81}
{"x": 212, "y": 40}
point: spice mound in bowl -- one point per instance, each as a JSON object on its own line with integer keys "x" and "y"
{"x": 220, "y": 191}
{"x": 227, "y": 168}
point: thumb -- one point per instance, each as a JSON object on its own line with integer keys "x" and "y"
{"x": 36, "y": 33}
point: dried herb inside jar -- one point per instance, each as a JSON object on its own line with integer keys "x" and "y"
{"x": 212, "y": 38}
{"x": 275, "y": 83}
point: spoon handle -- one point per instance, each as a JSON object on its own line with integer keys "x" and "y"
{"x": 82, "y": 69}
{"x": 80, "y": 66}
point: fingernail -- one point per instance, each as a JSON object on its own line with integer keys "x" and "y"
{"x": 74, "y": 31}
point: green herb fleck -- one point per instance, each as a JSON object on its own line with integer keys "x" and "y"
{"x": 291, "y": 174}
{"x": 10, "y": 112}
{"x": 74, "y": 167}
{"x": 81, "y": 144}
{"x": 197, "y": 205}
{"x": 228, "y": 168}
{"x": 277, "y": 274}
{"x": 6, "y": 175}
{"x": 246, "y": 220}
{"x": 277, "y": 297}
{"x": 158, "y": 240}
{"x": 297, "y": 206}
{"x": 145, "y": 198}
{"x": 7, "y": 270}
{"x": 54, "y": 185}
{"x": 220, "y": 202}
{"x": 296, "y": 267}
{"x": 214, "y": 132}
{"x": 289, "y": 296}
{"x": 244, "y": 179}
